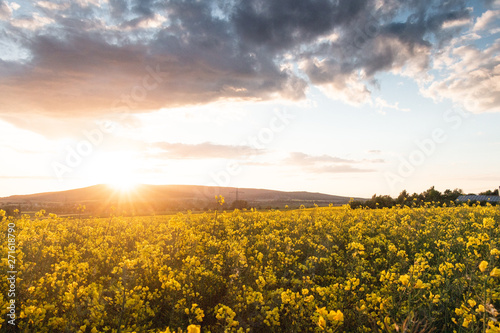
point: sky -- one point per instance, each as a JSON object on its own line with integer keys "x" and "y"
{"x": 345, "y": 97}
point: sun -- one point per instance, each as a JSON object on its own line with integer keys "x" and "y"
{"x": 123, "y": 185}
{"x": 117, "y": 170}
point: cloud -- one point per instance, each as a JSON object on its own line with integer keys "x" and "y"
{"x": 298, "y": 158}
{"x": 340, "y": 169}
{"x": 345, "y": 68}
{"x": 32, "y": 23}
{"x": 282, "y": 24}
{"x": 485, "y": 21}
{"x": 467, "y": 74}
{"x": 375, "y": 160}
{"x": 471, "y": 78}
{"x": 82, "y": 73}
{"x": 5, "y": 10}
{"x": 102, "y": 57}
{"x": 382, "y": 104}
{"x": 153, "y": 22}
{"x": 258, "y": 164}
{"x": 326, "y": 163}
{"x": 204, "y": 150}
{"x": 53, "y": 5}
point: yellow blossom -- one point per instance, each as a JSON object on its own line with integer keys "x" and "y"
{"x": 483, "y": 265}
{"x": 404, "y": 279}
{"x": 495, "y": 272}
{"x": 419, "y": 284}
{"x": 322, "y": 311}
{"x": 488, "y": 222}
{"x": 338, "y": 315}
{"x": 193, "y": 329}
{"x": 322, "y": 322}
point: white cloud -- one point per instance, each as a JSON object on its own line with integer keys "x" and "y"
{"x": 87, "y": 3}
{"x": 154, "y": 22}
{"x": 33, "y": 23}
{"x": 328, "y": 163}
{"x": 471, "y": 80}
{"x": 485, "y": 21}
{"x": 455, "y": 24}
{"x": 352, "y": 91}
{"x": 53, "y": 5}
{"x": 5, "y": 11}
{"x": 204, "y": 150}
{"x": 14, "y": 6}
{"x": 383, "y": 104}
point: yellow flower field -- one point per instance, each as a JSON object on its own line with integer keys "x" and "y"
{"x": 309, "y": 270}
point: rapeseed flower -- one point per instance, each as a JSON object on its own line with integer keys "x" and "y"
{"x": 483, "y": 265}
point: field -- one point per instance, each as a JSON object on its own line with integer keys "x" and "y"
{"x": 307, "y": 270}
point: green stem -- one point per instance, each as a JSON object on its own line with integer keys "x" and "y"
{"x": 215, "y": 223}
{"x": 484, "y": 304}
{"x": 121, "y": 312}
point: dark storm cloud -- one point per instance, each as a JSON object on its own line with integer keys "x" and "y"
{"x": 371, "y": 43}
{"x": 419, "y": 25}
{"x": 143, "y": 7}
{"x": 118, "y": 8}
{"x": 92, "y": 58}
{"x": 286, "y": 23}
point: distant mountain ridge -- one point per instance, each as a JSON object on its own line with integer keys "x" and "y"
{"x": 171, "y": 196}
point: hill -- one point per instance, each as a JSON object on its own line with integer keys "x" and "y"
{"x": 156, "y": 198}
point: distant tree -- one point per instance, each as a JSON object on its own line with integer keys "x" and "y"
{"x": 414, "y": 200}
{"x": 417, "y": 199}
{"x": 356, "y": 204}
{"x": 489, "y": 192}
{"x": 447, "y": 194}
{"x": 451, "y": 196}
{"x": 380, "y": 201}
{"x": 403, "y": 198}
{"x": 432, "y": 195}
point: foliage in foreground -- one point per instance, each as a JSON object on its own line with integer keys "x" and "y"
{"x": 320, "y": 270}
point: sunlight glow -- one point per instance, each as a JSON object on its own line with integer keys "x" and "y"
{"x": 118, "y": 170}
{"x": 123, "y": 185}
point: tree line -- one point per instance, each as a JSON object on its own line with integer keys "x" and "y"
{"x": 429, "y": 197}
